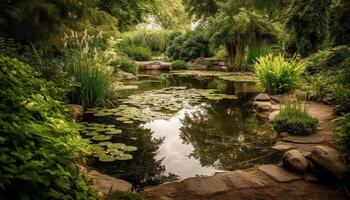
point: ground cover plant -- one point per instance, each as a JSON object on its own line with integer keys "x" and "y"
{"x": 179, "y": 65}
{"x": 39, "y": 145}
{"x": 295, "y": 119}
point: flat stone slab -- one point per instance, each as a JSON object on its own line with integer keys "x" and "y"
{"x": 106, "y": 183}
{"x": 278, "y": 173}
{"x": 304, "y": 139}
{"x": 203, "y": 186}
{"x": 240, "y": 179}
{"x": 282, "y": 147}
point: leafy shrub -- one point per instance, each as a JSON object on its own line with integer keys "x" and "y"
{"x": 188, "y": 46}
{"x": 253, "y": 52}
{"x": 329, "y": 59}
{"x": 94, "y": 80}
{"x": 156, "y": 40}
{"x": 179, "y": 65}
{"x": 126, "y": 64}
{"x": 343, "y": 132}
{"x": 276, "y": 75}
{"x": 38, "y": 145}
{"x": 124, "y": 196}
{"x": 295, "y": 119}
{"x": 137, "y": 53}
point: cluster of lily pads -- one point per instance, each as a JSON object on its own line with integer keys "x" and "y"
{"x": 157, "y": 104}
{"x": 101, "y": 135}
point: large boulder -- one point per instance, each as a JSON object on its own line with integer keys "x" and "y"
{"x": 295, "y": 161}
{"x": 76, "y": 111}
{"x": 327, "y": 161}
{"x": 154, "y": 65}
{"x": 106, "y": 184}
{"x": 262, "y": 106}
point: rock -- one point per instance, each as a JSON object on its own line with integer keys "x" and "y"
{"x": 273, "y": 115}
{"x": 283, "y": 134}
{"x": 263, "y": 115}
{"x": 154, "y": 65}
{"x": 106, "y": 183}
{"x": 166, "y": 190}
{"x": 282, "y": 147}
{"x": 328, "y": 160}
{"x": 203, "y": 186}
{"x": 314, "y": 139}
{"x": 122, "y": 75}
{"x": 295, "y": 161}
{"x": 278, "y": 174}
{"x": 262, "y": 106}
{"x": 262, "y": 97}
{"x": 240, "y": 179}
{"x": 76, "y": 111}
{"x": 82, "y": 169}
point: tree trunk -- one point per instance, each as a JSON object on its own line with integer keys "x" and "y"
{"x": 231, "y": 53}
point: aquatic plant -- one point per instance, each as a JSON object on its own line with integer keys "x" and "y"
{"x": 295, "y": 119}
{"x": 277, "y": 75}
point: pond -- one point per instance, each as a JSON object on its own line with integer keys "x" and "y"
{"x": 175, "y": 126}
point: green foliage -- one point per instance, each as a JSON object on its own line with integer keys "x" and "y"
{"x": 340, "y": 23}
{"x": 276, "y": 75}
{"x": 343, "y": 132}
{"x": 295, "y": 119}
{"x": 124, "y": 196}
{"x": 137, "y": 53}
{"x": 187, "y": 46}
{"x": 39, "y": 146}
{"x": 254, "y": 51}
{"x": 155, "y": 40}
{"x": 238, "y": 29}
{"x": 170, "y": 14}
{"x": 201, "y": 9}
{"x": 308, "y": 24}
{"x": 328, "y": 59}
{"x": 126, "y": 64}
{"x": 94, "y": 81}
{"x": 128, "y": 12}
{"x": 179, "y": 65}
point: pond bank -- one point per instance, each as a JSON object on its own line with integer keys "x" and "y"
{"x": 271, "y": 181}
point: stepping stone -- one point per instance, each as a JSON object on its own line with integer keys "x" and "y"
{"x": 304, "y": 139}
{"x": 205, "y": 185}
{"x": 282, "y": 147}
{"x": 240, "y": 179}
{"x": 278, "y": 174}
{"x": 262, "y": 97}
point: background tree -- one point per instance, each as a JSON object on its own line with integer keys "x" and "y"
{"x": 128, "y": 12}
{"x": 171, "y": 14}
{"x": 201, "y": 9}
{"x": 308, "y": 24}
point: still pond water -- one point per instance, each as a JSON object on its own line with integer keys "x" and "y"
{"x": 183, "y": 126}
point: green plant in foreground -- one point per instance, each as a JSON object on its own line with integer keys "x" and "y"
{"x": 38, "y": 144}
{"x": 342, "y": 132}
{"x": 94, "y": 80}
{"x": 179, "y": 65}
{"x": 277, "y": 75}
{"x": 295, "y": 119}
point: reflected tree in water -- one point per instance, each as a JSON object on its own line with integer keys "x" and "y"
{"x": 224, "y": 133}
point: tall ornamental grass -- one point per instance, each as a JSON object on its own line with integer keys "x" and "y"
{"x": 277, "y": 75}
{"x": 94, "y": 80}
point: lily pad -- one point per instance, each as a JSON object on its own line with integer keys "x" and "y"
{"x": 101, "y": 137}
{"x": 124, "y": 156}
{"x": 130, "y": 148}
{"x": 107, "y": 158}
{"x": 116, "y": 146}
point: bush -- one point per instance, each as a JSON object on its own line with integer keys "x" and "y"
{"x": 94, "y": 80}
{"x": 126, "y": 64}
{"x": 188, "y": 46}
{"x": 38, "y": 145}
{"x": 124, "y": 196}
{"x": 253, "y": 52}
{"x": 179, "y": 65}
{"x": 276, "y": 75}
{"x": 342, "y": 132}
{"x": 137, "y": 53}
{"x": 294, "y": 119}
{"x": 156, "y": 41}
